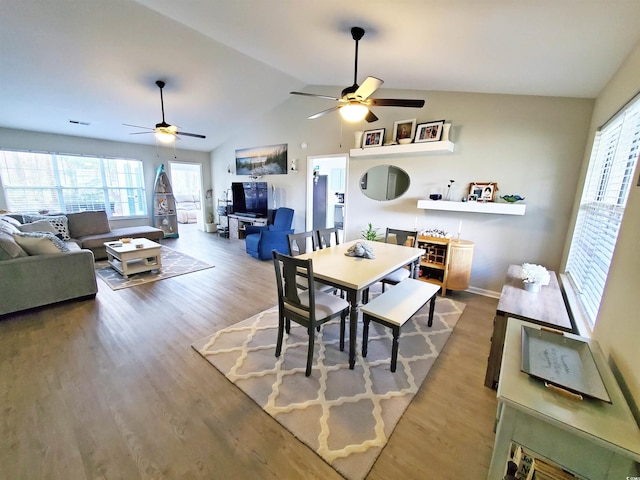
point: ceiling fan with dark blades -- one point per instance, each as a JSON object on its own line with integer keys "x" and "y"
{"x": 355, "y": 101}
{"x": 164, "y": 131}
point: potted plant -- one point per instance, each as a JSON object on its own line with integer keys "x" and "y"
{"x": 370, "y": 233}
{"x": 534, "y": 276}
{"x": 209, "y": 226}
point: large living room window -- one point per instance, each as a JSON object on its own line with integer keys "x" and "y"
{"x": 609, "y": 177}
{"x": 54, "y": 182}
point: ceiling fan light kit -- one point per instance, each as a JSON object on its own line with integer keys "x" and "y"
{"x": 355, "y": 101}
{"x": 354, "y": 112}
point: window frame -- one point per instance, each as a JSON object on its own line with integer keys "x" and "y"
{"x": 609, "y": 178}
{"x": 54, "y": 190}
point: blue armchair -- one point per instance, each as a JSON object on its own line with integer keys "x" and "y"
{"x": 260, "y": 241}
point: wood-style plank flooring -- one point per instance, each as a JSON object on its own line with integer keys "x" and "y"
{"x": 111, "y": 388}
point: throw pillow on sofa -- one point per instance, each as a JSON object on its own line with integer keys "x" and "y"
{"x": 38, "y": 226}
{"x": 9, "y": 219}
{"x": 59, "y": 222}
{"x": 9, "y": 248}
{"x": 39, "y": 243}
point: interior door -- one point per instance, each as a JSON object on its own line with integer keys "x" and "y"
{"x": 320, "y": 202}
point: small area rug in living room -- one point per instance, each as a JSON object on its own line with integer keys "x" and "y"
{"x": 345, "y": 416}
{"x": 174, "y": 263}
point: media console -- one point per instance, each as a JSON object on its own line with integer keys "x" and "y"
{"x": 238, "y": 222}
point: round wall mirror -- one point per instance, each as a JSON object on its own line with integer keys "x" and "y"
{"x": 384, "y": 182}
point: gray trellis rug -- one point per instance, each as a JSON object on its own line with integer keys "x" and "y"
{"x": 174, "y": 263}
{"x": 345, "y": 416}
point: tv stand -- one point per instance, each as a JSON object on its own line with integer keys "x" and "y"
{"x": 237, "y": 223}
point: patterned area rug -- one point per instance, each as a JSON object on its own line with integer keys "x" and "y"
{"x": 173, "y": 264}
{"x": 345, "y": 416}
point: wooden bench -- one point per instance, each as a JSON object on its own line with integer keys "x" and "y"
{"x": 395, "y": 307}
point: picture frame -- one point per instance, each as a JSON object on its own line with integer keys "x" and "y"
{"x": 373, "y": 138}
{"x": 484, "y": 191}
{"x": 258, "y": 161}
{"x": 403, "y": 130}
{"x": 429, "y": 132}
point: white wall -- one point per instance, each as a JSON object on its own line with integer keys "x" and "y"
{"x": 618, "y": 326}
{"x": 531, "y": 146}
{"x": 151, "y": 157}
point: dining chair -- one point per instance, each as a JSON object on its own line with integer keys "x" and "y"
{"x": 299, "y": 243}
{"x": 408, "y": 238}
{"x": 328, "y": 237}
{"x": 309, "y": 307}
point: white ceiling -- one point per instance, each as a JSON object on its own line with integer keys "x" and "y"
{"x": 228, "y": 61}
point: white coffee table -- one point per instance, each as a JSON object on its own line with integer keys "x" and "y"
{"x": 130, "y": 258}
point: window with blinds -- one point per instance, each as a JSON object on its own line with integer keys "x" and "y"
{"x": 609, "y": 177}
{"x": 35, "y": 182}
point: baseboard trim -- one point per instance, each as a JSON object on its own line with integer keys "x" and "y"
{"x": 483, "y": 292}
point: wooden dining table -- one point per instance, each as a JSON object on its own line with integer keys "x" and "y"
{"x": 354, "y": 275}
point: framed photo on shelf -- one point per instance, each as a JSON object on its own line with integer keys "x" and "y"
{"x": 373, "y": 138}
{"x": 404, "y": 130}
{"x": 429, "y": 132}
{"x": 484, "y": 191}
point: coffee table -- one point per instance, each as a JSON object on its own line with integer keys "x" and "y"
{"x": 140, "y": 255}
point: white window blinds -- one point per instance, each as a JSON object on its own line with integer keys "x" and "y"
{"x": 609, "y": 176}
{"x": 34, "y": 182}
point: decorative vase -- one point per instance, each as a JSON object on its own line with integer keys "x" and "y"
{"x": 358, "y": 138}
{"x": 532, "y": 287}
{"x": 445, "y": 132}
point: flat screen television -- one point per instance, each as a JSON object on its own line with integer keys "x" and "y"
{"x": 250, "y": 198}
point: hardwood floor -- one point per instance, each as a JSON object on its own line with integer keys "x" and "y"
{"x": 112, "y": 389}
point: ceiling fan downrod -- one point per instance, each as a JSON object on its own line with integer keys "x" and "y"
{"x": 357, "y": 33}
{"x": 161, "y": 85}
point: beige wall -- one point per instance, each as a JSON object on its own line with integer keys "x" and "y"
{"x": 618, "y": 325}
{"x": 531, "y": 146}
{"x": 151, "y": 157}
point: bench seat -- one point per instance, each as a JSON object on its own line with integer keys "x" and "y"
{"x": 395, "y": 307}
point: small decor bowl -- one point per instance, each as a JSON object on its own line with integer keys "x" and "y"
{"x": 404, "y": 141}
{"x": 126, "y": 240}
{"x": 512, "y": 198}
{"x": 435, "y": 196}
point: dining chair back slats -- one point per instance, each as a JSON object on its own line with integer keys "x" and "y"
{"x": 408, "y": 238}
{"x": 299, "y": 243}
{"x": 328, "y": 237}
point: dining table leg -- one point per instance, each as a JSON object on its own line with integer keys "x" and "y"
{"x": 353, "y": 296}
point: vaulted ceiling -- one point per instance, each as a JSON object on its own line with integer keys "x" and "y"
{"x": 228, "y": 62}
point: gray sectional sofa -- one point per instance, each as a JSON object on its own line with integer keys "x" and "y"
{"x": 50, "y": 259}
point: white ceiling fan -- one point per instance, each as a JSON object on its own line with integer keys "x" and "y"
{"x": 165, "y": 132}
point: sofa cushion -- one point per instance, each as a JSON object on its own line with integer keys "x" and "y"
{"x": 9, "y": 248}
{"x": 88, "y": 223}
{"x": 40, "y": 243}
{"x": 59, "y": 222}
{"x": 38, "y": 226}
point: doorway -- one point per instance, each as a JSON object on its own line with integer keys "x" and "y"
{"x": 186, "y": 181}
{"x": 326, "y": 191}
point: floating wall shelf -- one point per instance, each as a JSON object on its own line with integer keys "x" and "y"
{"x": 444, "y": 146}
{"x": 474, "y": 207}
